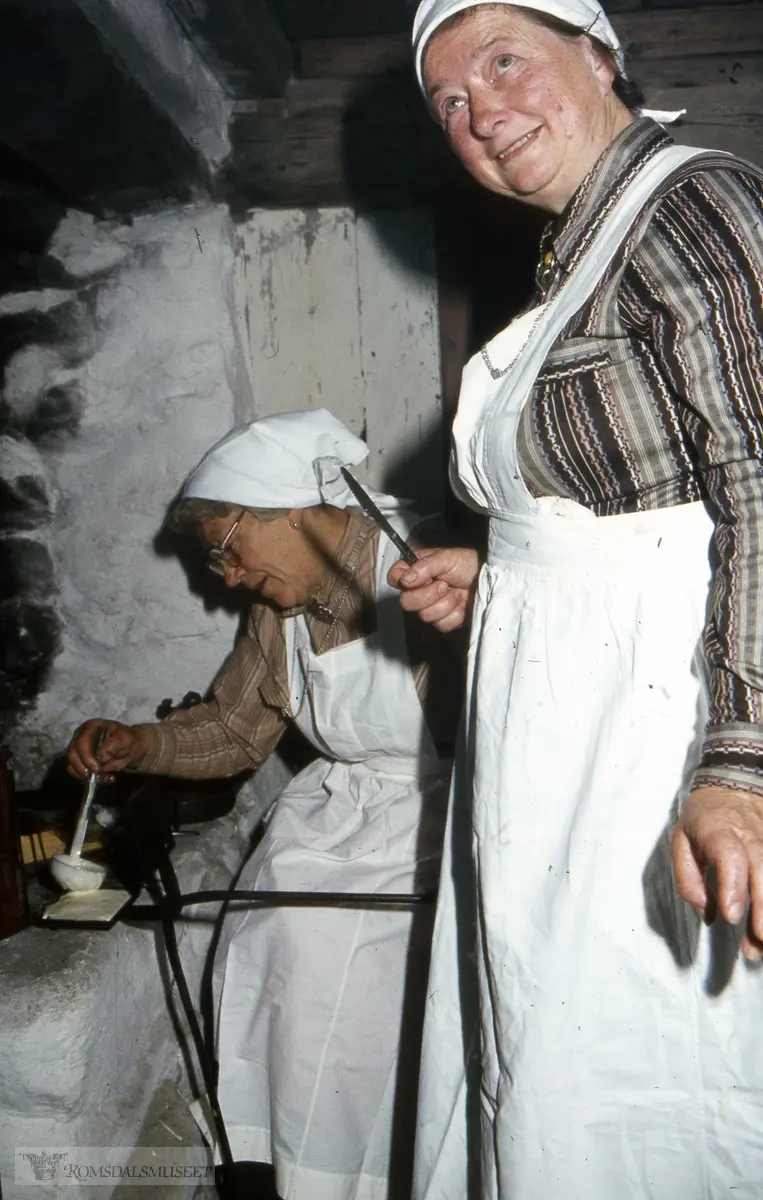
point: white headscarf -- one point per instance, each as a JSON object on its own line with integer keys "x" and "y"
{"x": 290, "y": 460}
{"x": 586, "y": 15}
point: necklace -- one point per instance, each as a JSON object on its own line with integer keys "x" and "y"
{"x": 329, "y": 615}
{"x": 499, "y": 372}
{"x": 323, "y": 613}
{"x": 546, "y": 274}
{"x": 496, "y": 372}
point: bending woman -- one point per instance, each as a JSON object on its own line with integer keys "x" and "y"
{"x": 320, "y": 1012}
{"x": 613, "y": 435}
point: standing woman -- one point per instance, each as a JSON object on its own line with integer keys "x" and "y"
{"x": 613, "y": 435}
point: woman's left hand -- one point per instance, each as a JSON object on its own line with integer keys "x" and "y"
{"x": 721, "y": 829}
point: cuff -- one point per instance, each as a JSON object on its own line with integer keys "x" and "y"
{"x": 159, "y": 752}
{"x": 732, "y": 756}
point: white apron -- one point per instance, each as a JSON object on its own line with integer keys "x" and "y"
{"x": 612, "y": 1040}
{"x": 320, "y": 1007}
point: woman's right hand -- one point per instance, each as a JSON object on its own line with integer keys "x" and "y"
{"x": 121, "y": 748}
{"x": 440, "y": 586}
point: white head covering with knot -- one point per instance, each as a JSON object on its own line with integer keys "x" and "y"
{"x": 290, "y": 460}
{"x": 585, "y": 15}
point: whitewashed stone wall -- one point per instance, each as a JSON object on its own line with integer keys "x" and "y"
{"x": 157, "y": 378}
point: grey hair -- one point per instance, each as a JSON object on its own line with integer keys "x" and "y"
{"x": 188, "y": 515}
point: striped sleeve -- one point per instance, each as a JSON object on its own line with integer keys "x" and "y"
{"x": 700, "y": 276}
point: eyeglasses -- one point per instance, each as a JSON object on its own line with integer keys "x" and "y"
{"x": 222, "y": 556}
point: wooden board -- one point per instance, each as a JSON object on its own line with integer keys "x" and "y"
{"x": 353, "y": 58}
{"x": 339, "y": 311}
{"x": 723, "y": 96}
{"x": 331, "y": 18}
{"x": 648, "y": 35}
{"x": 38, "y": 848}
{"x": 730, "y": 29}
{"x": 368, "y": 144}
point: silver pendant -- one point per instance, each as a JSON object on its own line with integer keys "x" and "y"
{"x": 321, "y": 612}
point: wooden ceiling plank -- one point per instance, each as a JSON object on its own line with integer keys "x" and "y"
{"x": 648, "y": 35}
{"x": 681, "y": 32}
{"x": 730, "y": 72}
{"x": 353, "y": 58}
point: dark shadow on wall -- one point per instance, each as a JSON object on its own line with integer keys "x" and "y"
{"x": 417, "y": 473}
{"x": 30, "y": 209}
{"x": 486, "y": 247}
{"x": 394, "y": 155}
{"x": 201, "y": 582}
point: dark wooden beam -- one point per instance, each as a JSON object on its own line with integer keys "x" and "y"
{"x": 360, "y": 142}
{"x": 67, "y": 109}
{"x": 648, "y": 35}
{"x": 353, "y": 58}
{"x": 303, "y": 19}
{"x": 727, "y": 29}
{"x": 722, "y": 95}
{"x": 247, "y": 40}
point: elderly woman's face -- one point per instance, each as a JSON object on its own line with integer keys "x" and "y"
{"x": 271, "y": 558}
{"x": 527, "y": 110}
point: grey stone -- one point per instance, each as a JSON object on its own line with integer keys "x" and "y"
{"x": 26, "y": 569}
{"x": 43, "y": 301}
{"x": 28, "y": 375}
{"x": 86, "y": 247}
{"x": 56, "y": 415}
{"x": 27, "y": 495}
{"x": 30, "y": 638}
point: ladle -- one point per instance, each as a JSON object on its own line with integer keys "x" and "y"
{"x": 71, "y": 871}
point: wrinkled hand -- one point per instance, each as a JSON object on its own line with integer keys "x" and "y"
{"x": 121, "y": 748}
{"x": 439, "y": 587}
{"x": 721, "y": 829}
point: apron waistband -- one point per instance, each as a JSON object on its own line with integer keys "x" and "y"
{"x": 404, "y": 767}
{"x": 565, "y": 536}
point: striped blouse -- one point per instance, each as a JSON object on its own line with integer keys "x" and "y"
{"x": 653, "y": 396}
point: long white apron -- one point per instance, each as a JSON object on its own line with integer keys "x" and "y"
{"x": 615, "y": 1038}
{"x": 321, "y": 1009}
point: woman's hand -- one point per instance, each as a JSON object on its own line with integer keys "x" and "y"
{"x": 121, "y": 748}
{"x": 721, "y": 830}
{"x": 439, "y": 587}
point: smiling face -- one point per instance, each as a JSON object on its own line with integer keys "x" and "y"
{"x": 272, "y": 558}
{"x": 526, "y": 109}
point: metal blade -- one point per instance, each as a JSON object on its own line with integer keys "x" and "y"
{"x": 371, "y": 509}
